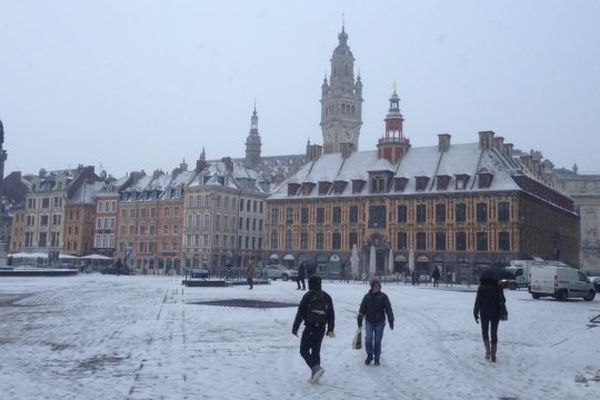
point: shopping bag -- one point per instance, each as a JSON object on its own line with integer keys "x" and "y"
{"x": 357, "y": 341}
{"x": 504, "y": 313}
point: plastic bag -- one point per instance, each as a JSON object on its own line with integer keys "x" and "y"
{"x": 357, "y": 340}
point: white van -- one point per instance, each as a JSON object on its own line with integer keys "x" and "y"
{"x": 559, "y": 282}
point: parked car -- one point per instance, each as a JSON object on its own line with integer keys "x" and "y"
{"x": 561, "y": 283}
{"x": 595, "y": 281}
{"x": 281, "y": 272}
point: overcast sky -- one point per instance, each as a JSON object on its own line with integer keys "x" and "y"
{"x": 131, "y": 85}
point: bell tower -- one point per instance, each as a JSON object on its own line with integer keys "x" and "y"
{"x": 253, "y": 142}
{"x": 393, "y": 145}
{"x": 341, "y": 101}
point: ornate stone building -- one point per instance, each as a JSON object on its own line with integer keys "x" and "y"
{"x": 585, "y": 191}
{"x": 460, "y": 207}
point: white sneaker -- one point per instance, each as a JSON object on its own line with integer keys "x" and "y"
{"x": 316, "y": 374}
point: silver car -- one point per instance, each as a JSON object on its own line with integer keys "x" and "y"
{"x": 281, "y": 272}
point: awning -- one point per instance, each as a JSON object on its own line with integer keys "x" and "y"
{"x": 400, "y": 258}
{"x": 334, "y": 258}
{"x": 28, "y": 255}
{"x": 288, "y": 257}
{"x": 67, "y": 257}
{"x": 423, "y": 259}
{"x": 99, "y": 257}
{"x": 274, "y": 257}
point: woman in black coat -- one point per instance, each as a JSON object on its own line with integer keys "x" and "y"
{"x": 489, "y": 304}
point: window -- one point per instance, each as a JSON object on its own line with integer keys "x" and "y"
{"x": 175, "y": 229}
{"x": 482, "y": 212}
{"x": 275, "y": 216}
{"x": 440, "y": 213}
{"x": 217, "y": 221}
{"x": 336, "y": 241}
{"x": 504, "y": 211}
{"x": 304, "y": 215}
{"x": 440, "y": 241}
{"x": 254, "y": 204}
{"x": 44, "y": 220}
{"x": 248, "y": 208}
{"x": 401, "y": 241}
{"x": 42, "y": 239}
{"x": 504, "y": 241}
{"x": 421, "y": 241}
{"x": 482, "y": 241}
{"x": 167, "y": 212}
{"x": 177, "y": 211}
{"x": 320, "y": 241}
{"x": 377, "y": 216}
{"x": 304, "y": 240}
{"x": 353, "y": 217}
{"x": 165, "y": 229}
{"x": 461, "y": 212}
{"x": 241, "y": 204}
{"x": 402, "y": 213}
{"x": 207, "y": 220}
{"x": 320, "y": 215}
{"x": 288, "y": 240}
{"x": 352, "y": 239}
{"x": 46, "y": 202}
{"x": 461, "y": 241}
{"x": 274, "y": 240}
{"x": 421, "y": 213}
{"x": 377, "y": 185}
{"x": 289, "y": 216}
{"x": 337, "y": 215}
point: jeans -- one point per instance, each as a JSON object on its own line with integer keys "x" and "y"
{"x": 301, "y": 280}
{"x": 485, "y": 327}
{"x": 250, "y": 282}
{"x": 310, "y": 345}
{"x": 374, "y": 329}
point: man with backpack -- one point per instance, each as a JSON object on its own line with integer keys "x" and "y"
{"x": 316, "y": 310}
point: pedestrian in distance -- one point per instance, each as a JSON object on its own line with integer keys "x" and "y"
{"x": 316, "y": 310}
{"x": 436, "y": 276}
{"x": 374, "y": 308}
{"x": 301, "y": 276}
{"x": 251, "y": 273}
{"x": 118, "y": 266}
{"x": 489, "y": 305}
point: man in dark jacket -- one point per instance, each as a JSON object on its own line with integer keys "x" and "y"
{"x": 301, "y": 276}
{"x": 488, "y": 305}
{"x": 316, "y": 310}
{"x": 374, "y": 308}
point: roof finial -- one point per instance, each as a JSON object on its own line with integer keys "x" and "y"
{"x": 255, "y": 105}
{"x": 394, "y": 86}
{"x": 343, "y": 21}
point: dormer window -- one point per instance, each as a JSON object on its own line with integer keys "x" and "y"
{"x": 442, "y": 182}
{"x": 400, "y": 184}
{"x": 379, "y": 181}
{"x": 307, "y": 188}
{"x": 339, "y": 186}
{"x": 324, "y": 187}
{"x": 485, "y": 178}
{"x": 461, "y": 181}
{"x": 377, "y": 185}
{"x": 358, "y": 185}
{"x": 421, "y": 183}
{"x": 293, "y": 188}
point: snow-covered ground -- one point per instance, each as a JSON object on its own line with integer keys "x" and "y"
{"x": 109, "y": 337}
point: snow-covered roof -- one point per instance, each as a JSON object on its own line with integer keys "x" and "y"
{"x": 87, "y": 192}
{"x": 458, "y": 161}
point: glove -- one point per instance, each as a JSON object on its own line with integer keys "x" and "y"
{"x": 392, "y": 325}
{"x": 331, "y": 334}
{"x": 359, "y": 319}
{"x": 295, "y": 332}
{"x": 476, "y": 319}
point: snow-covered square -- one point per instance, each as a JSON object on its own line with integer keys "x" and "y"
{"x": 143, "y": 337}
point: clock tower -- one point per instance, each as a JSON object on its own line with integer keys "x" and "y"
{"x": 341, "y": 102}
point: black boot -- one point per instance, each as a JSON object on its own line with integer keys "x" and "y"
{"x": 368, "y": 360}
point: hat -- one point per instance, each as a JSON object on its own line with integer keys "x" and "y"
{"x": 314, "y": 282}
{"x": 374, "y": 282}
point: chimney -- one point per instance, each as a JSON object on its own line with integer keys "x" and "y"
{"x": 443, "y": 142}
{"x": 313, "y": 151}
{"x": 499, "y": 143}
{"x": 486, "y": 139}
{"x": 525, "y": 160}
{"x": 157, "y": 173}
{"x": 228, "y": 163}
{"x": 508, "y": 149}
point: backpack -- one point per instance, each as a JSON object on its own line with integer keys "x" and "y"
{"x": 316, "y": 311}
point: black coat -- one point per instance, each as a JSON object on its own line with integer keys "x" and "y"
{"x": 489, "y": 301}
{"x": 303, "y": 308}
{"x": 375, "y": 306}
{"x": 302, "y": 271}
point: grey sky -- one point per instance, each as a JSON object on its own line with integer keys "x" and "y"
{"x": 143, "y": 84}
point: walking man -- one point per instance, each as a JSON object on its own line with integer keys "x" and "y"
{"x": 316, "y": 310}
{"x": 436, "y": 276}
{"x": 301, "y": 276}
{"x": 250, "y": 273}
{"x": 374, "y": 308}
